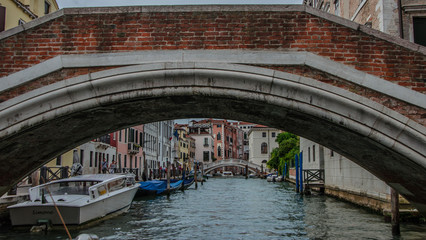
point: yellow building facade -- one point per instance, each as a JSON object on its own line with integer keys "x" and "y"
{"x": 17, "y": 12}
{"x": 64, "y": 160}
{"x": 184, "y": 143}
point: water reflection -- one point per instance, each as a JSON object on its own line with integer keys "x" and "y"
{"x": 237, "y": 208}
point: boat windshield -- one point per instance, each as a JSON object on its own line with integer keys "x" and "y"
{"x": 69, "y": 188}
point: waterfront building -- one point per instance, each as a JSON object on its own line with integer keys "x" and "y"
{"x": 91, "y": 154}
{"x": 63, "y": 160}
{"x": 17, "y": 12}
{"x": 183, "y": 143}
{"x": 165, "y": 141}
{"x": 400, "y": 18}
{"x": 202, "y": 133}
{"x": 191, "y": 151}
{"x": 262, "y": 142}
{"x": 157, "y": 146}
{"x": 129, "y": 143}
{"x": 347, "y": 180}
{"x": 245, "y": 128}
{"x": 150, "y": 148}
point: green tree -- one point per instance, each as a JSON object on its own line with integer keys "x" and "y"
{"x": 288, "y": 147}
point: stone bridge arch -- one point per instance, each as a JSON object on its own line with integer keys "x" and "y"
{"x": 231, "y": 163}
{"x": 40, "y": 124}
{"x": 350, "y": 88}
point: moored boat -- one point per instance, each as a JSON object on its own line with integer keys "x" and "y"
{"x": 79, "y": 199}
{"x": 227, "y": 174}
{"x": 159, "y": 187}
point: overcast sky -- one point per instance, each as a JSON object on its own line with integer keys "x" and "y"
{"x": 98, "y": 3}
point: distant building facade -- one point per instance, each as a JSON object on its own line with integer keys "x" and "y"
{"x": 245, "y": 128}
{"x": 262, "y": 142}
{"x": 345, "y": 179}
{"x": 400, "y": 18}
{"x": 17, "y": 12}
{"x": 202, "y": 133}
{"x": 129, "y": 149}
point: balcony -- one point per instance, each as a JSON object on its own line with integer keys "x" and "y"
{"x": 133, "y": 148}
{"x": 102, "y": 142}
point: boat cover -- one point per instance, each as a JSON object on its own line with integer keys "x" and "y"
{"x": 158, "y": 185}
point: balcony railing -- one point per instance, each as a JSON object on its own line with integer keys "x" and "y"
{"x": 133, "y": 148}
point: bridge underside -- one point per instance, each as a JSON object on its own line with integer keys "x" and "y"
{"x": 41, "y": 124}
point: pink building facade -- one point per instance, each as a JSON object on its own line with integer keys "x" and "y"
{"x": 129, "y": 142}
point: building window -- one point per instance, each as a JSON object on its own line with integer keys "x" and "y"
{"x": 205, "y": 155}
{"x": 219, "y": 125}
{"x": 264, "y": 148}
{"x": 59, "y": 161}
{"x": 91, "y": 159}
{"x": 125, "y": 161}
{"x": 273, "y": 134}
{"x": 263, "y": 134}
{"x": 309, "y": 154}
{"x": 81, "y": 156}
{"x": 96, "y": 159}
{"x": 219, "y": 151}
{"x": 313, "y": 153}
{"x": 119, "y": 136}
{"x": 218, "y": 136}
{"x": 419, "y": 25}
{"x": 337, "y": 7}
{"x": 206, "y": 142}
{"x": 119, "y": 160}
{"x": 141, "y": 139}
{"x": 332, "y": 153}
{"x": 2, "y": 18}
{"x": 46, "y": 7}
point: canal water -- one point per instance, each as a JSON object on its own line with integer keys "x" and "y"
{"x": 236, "y": 208}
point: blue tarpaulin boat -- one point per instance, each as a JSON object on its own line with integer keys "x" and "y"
{"x": 157, "y": 187}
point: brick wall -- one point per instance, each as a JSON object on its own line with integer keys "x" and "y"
{"x": 109, "y": 31}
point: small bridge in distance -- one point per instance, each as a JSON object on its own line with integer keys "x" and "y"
{"x": 232, "y": 162}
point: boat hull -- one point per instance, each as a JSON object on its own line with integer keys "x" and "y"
{"x": 30, "y": 213}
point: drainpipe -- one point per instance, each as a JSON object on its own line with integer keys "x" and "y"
{"x": 401, "y": 28}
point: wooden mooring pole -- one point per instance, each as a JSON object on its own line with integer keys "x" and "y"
{"x": 195, "y": 175}
{"x": 395, "y": 213}
{"x": 301, "y": 172}
{"x": 202, "y": 172}
{"x": 296, "y": 163}
{"x": 168, "y": 177}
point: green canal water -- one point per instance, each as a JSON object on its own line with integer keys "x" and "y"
{"x": 236, "y": 208}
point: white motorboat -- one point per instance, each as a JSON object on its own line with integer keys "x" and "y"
{"x": 227, "y": 174}
{"x": 271, "y": 177}
{"x": 79, "y": 199}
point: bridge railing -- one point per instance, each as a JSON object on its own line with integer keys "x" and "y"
{"x": 313, "y": 175}
{"x": 48, "y": 174}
